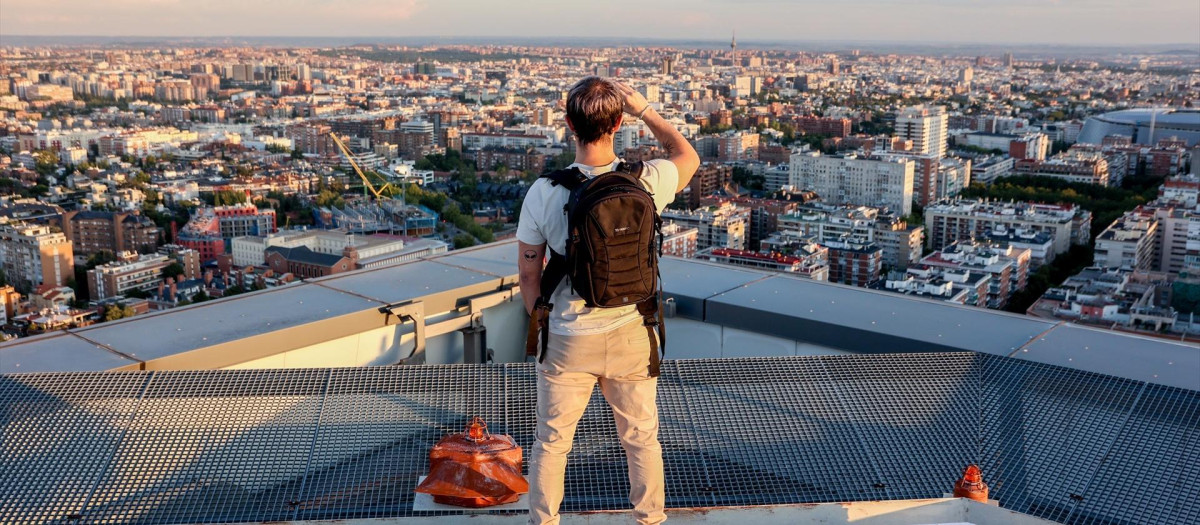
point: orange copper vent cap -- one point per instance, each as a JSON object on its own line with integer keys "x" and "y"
{"x": 971, "y": 486}
{"x": 475, "y": 469}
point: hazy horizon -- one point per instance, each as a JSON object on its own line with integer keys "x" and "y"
{"x": 1104, "y": 23}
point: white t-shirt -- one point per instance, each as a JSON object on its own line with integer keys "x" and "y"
{"x": 543, "y": 221}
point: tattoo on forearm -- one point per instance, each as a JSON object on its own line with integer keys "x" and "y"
{"x": 669, "y": 147}
{"x": 530, "y": 255}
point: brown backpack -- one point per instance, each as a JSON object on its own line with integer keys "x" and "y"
{"x": 614, "y": 241}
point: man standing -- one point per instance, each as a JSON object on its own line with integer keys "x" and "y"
{"x": 586, "y": 345}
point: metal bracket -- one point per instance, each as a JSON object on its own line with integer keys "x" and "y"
{"x": 414, "y": 312}
{"x": 476, "y": 305}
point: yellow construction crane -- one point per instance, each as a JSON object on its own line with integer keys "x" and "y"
{"x": 350, "y": 157}
{"x": 367, "y": 186}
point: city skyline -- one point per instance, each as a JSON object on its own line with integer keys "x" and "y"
{"x": 1063, "y": 22}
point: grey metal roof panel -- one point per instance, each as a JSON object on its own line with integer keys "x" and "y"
{"x": 864, "y": 320}
{"x": 499, "y": 259}
{"x": 690, "y": 282}
{"x": 1113, "y": 353}
{"x": 405, "y": 281}
{"x": 58, "y": 352}
{"x": 206, "y": 324}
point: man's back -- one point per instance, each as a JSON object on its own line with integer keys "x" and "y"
{"x": 543, "y": 221}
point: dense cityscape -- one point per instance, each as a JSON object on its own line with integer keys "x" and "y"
{"x": 142, "y": 178}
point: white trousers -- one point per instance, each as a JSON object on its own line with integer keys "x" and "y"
{"x": 619, "y": 360}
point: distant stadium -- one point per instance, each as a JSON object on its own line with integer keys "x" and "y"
{"x": 1144, "y": 125}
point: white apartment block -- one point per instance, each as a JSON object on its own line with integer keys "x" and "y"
{"x": 926, "y": 127}
{"x": 900, "y": 242}
{"x": 477, "y": 141}
{"x": 1127, "y": 243}
{"x": 722, "y": 226}
{"x": 949, "y": 221}
{"x": 849, "y": 179}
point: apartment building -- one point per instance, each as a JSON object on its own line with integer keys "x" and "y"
{"x": 1128, "y": 242}
{"x": 952, "y": 220}
{"x": 128, "y": 273}
{"x": 900, "y": 242}
{"x": 834, "y": 127}
{"x": 1007, "y": 266}
{"x": 954, "y": 286}
{"x": 854, "y": 262}
{"x": 723, "y": 226}
{"x": 708, "y": 179}
{"x": 34, "y": 255}
{"x": 96, "y": 231}
{"x": 926, "y": 127}
{"x": 477, "y": 141}
{"x": 849, "y": 179}
{"x": 809, "y": 261}
{"x": 737, "y": 146}
{"x": 679, "y": 241}
{"x": 1072, "y": 166}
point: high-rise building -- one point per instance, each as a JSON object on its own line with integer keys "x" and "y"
{"x": 1008, "y": 60}
{"x": 849, "y": 179}
{"x": 33, "y": 255}
{"x": 709, "y": 179}
{"x": 966, "y": 75}
{"x": 668, "y": 66}
{"x": 926, "y": 127}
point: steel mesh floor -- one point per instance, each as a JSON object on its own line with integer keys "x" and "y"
{"x": 267, "y": 445}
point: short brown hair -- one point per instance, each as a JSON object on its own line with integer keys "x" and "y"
{"x": 594, "y": 108}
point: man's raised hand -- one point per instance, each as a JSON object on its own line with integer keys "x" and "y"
{"x": 634, "y": 101}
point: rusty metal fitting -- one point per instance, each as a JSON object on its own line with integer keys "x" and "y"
{"x": 971, "y": 486}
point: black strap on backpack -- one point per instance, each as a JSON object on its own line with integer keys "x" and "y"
{"x": 558, "y": 267}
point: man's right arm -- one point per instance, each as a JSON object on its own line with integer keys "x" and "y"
{"x": 679, "y": 150}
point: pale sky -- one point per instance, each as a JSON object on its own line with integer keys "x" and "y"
{"x": 969, "y": 21}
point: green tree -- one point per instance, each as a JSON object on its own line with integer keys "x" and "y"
{"x": 330, "y": 199}
{"x": 172, "y": 270}
{"x": 463, "y": 240}
{"x": 114, "y": 312}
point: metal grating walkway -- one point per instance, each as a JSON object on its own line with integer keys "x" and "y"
{"x": 268, "y": 445}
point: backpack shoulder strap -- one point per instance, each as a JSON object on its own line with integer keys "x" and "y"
{"x": 569, "y": 178}
{"x": 631, "y": 170}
